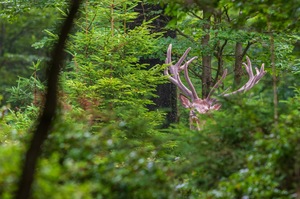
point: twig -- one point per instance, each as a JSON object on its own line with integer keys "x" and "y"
{"x": 247, "y": 47}
{"x": 226, "y": 13}
{"x": 219, "y": 57}
{"x": 184, "y": 35}
{"x": 195, "y": 15}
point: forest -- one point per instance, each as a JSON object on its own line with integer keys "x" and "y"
{"x": 142, "y": 99}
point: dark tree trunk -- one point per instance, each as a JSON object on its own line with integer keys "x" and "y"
{"x": 238, "y": 70}
{"x": 275, "y": 80}
{"x": 220, "y": 62}
{"x": 167, "y": 93}
{"x": 2, "y": 38}
{"x": 218, "y": 48}
{"x": 166, "y": 100}
{"x": 47, "y": 116}
{"x": 206, "y": 58}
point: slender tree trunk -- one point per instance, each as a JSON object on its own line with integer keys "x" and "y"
{"x": 2, "y": 38}
{"x": 297, "y": 171}
{"x": 47, "y": 116}
{"x": 206, "y": 57}
{"x": 167, "y": 100}
{"x": 238, "y": 70}
{"x": 274, "y": 76}
{"x": 219, "y": 48}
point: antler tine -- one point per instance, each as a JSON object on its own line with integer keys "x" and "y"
{"x": 253, "y": 79}
{"x": 177, "y": 81}
{"x": 174, "y": 69}
{"x": 248, "y": 67}
{"x": 217, "y": 84}
{"x": 182, "y": 58}
{"x": 169, "y": 57}
{"x": 169, "y": 54}
{"x": 185, "y": 68}
{"x": 259, "y": 74}
{"x": 187, "y": 78}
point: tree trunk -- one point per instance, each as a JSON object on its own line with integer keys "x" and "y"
{"x": 167, "y": 100}
{"x": 167, "y": 93}
{"x": 218, "y": 48}
{"x": 47, "y": 116}
{"x": 206, "y": 57}
{"x": 2, "y": 38}
{"x": 238, "y": 70}
{"x": 274, "y": 76}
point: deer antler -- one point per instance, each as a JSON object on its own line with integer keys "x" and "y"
{"x": 175, "y": 69}
{"x": 197, "y": 104}
{"x": 253, "y": 79}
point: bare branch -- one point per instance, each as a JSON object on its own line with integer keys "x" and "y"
{"x": 226, "y": 13}
{"x": 247, "y": 47}
{"x": 195, "y": 15}
{"x": 184, "y": 35}
{"x": 219, "y": 57}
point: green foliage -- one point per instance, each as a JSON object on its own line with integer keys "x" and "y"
{"x": 18, "y": 31}
{"x": 277, "y": 15}
{"x": 99, "y": 165}
{"x": 106, "y": 66}
{"x": 273, "y": 163}
{"x": 28, "y": 91}
{"x": 104, "y": 129}
{"x": 12, "y": 10}
{"x": 106, "y": 143}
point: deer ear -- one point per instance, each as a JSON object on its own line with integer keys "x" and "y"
{"x": 186, "y": 103}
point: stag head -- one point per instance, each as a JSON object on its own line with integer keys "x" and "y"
{"x": 189, "y": 97}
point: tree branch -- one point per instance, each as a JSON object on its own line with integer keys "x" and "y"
{"x": 247, "y": 47}
{"x": 226, "y": 13}
{"x": 195, "y": 15}
{"x": 184, "y": 35}
{"x": 219, "y": 57}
